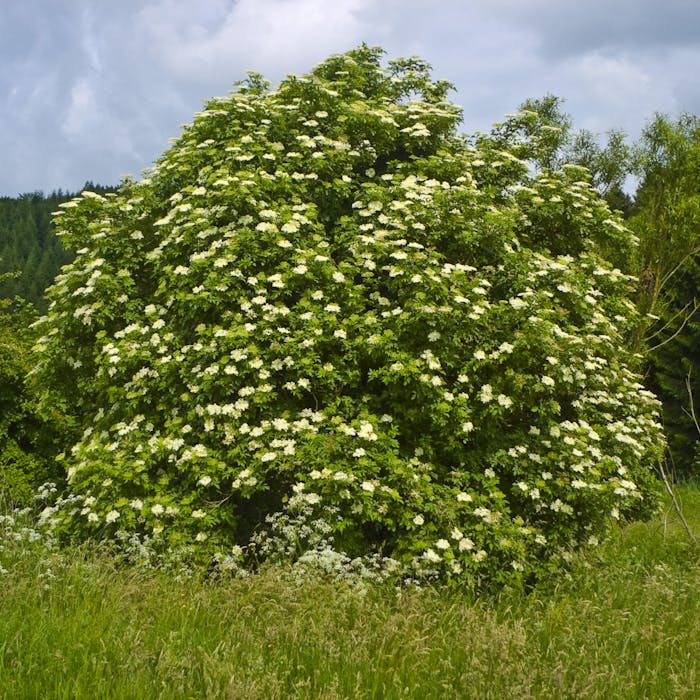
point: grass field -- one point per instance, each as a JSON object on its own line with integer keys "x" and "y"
{"x": 624, "y": 624}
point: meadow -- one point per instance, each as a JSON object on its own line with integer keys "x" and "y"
{"x": 623, "y": 622}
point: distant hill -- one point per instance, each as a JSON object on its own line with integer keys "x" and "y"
{"x": 28, "y": 245}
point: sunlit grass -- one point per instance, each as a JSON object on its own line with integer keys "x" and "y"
{"x": 624, "y": 624}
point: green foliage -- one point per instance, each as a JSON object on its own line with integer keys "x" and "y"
{"x": 668, "y": 201}
{"x": 541, "y": 133}
{"x": 28, "y": 442}
{"x": 668, "y": 258}
{"x": 324, "y": 314}
{"x": 28, "y": 245}
{"x": 609, "y": 164}
{"x": 538, "y": 132}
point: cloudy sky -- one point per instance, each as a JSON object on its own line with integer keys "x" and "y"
{"x": 94, "y": 89}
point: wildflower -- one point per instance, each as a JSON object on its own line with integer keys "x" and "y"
{"x": 157, "y": 509}
{"x": 486, "y": 393}
{"x": 505, "y": 401}
{"x": 465, "y": 544}
{"x": 442, "y": 544}
{"x": 418, "y": 520}
{"x": 431, "y": 556}
{"x": 112, "y": 516}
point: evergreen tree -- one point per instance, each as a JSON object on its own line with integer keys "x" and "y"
{"x": 29, "y": 246}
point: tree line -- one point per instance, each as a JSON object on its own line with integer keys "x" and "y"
{"x": 30, "y": 253}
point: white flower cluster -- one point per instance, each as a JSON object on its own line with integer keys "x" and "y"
{"x": 282, "y": 319}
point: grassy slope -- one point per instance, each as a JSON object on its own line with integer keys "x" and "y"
{"x": 626, "y": 623}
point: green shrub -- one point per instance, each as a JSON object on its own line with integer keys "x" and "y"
{"x": 29, "y": 441}
{"x": 324, "y": 313}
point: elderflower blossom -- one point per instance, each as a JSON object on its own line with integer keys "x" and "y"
{"x": 486, "y": 393}
{"x": 246, "y": 338}
{"x": 505, "y": 401}
{"x": 431, "y": 556}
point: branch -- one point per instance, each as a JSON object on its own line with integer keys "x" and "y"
{"x": 682, "y": 326}
{"x": 680, "y": 264}
{"x": 676, "y": 506}
{"x": 689, "y": 387}
{"x": 695, "y": 304}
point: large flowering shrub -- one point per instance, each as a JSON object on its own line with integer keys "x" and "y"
{"x": 324, "y": 321}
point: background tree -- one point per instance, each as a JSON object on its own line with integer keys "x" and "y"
{"x": 541, "y": 132}
{"x": 538, "y": 132}
{"x": 29, "y": 246}
{"x": 29, "y": 441}
{"x": 610, "y": 165}
{"x": 667, "y": 224}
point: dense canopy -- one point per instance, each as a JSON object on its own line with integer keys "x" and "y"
{"x": 327, "y": 325}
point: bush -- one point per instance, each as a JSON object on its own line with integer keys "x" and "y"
{"x": 322, "y": 300}
{"x": 28, "y": 440}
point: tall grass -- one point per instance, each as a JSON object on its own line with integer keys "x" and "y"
{"x": 625, "y": 623}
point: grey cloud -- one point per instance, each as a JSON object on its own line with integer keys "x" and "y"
{"x": 569, "y": 28}
{"x": 270, "y": 36}
{"x": 93, "y": 90}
